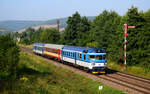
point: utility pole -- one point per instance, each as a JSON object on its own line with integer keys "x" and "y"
{"x": 58, "y": 25}
{"x": 125, "y": 44}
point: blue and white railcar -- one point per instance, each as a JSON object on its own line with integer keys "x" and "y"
{"x": 89, "y": 58}
{"x": 38, "y": 48}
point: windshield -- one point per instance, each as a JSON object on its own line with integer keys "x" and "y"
{"x": 96, "y": 57}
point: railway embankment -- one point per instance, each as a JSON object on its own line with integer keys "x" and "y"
{"x": 38, "y": 75}
{"x": 128, "y": 83}
{"x": 135, "y": 70}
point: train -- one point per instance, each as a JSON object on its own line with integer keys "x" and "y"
{"x": 90, "y": 59}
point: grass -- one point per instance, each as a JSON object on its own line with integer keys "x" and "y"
{"x": 27, "y": 46}
{"x": 137, "y": 70}
{"x": 36, "y": 76}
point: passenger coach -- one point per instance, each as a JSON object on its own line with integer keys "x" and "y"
{"x": 53, "y": 50}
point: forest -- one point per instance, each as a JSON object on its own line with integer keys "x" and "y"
{"x": 106, "y": 31}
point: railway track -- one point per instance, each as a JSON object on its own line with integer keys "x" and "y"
{"x": 128, "y": 83}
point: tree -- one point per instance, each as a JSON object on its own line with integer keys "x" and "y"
{"x": 135, "y": 36}
{"x": 9, "y": 56}
{"x": 25, "y": 41}
{"x": 103, "y": 32}
{"x": 72, "y": 29}
{"x": 36, "y": 34}
{"x": 50, "y": 36}
{"x": 144, "y": 41}
{"x": 76, "y": 32}
{"x": 83, "y": 31}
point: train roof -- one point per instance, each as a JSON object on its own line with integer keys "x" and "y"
{"x": 84, "y": 49}
{"x": 55, "y": 46}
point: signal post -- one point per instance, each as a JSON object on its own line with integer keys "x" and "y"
{"x": 125, "y": 44}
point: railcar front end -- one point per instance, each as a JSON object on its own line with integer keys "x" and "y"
{"x": 97, "y": 62}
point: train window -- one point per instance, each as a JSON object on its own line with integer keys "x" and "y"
{"x": 95, "y": 57}
{"x": 52, "y": 50}
{"x": 79, "y": 56}
{"x": 92, "y": 57}
{"x": 71, "y": 54}
{"x": 66, "y": 53}
{"x": 84, "y": 57}
{"x": 98, "y": 57}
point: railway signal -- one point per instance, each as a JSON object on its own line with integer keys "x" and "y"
{"x": 125, "y": 43}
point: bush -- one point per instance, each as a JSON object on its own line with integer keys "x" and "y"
{"x": 9, "y": 57}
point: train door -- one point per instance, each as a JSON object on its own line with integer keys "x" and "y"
{"x": 75, "y": 58}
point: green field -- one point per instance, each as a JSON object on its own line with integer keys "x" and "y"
{"x": 36, "y": 76}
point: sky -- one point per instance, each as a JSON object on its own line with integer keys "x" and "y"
{"x": 51, "y": 9}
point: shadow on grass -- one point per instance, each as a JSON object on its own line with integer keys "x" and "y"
{"x": 1, "y": 85}
{"x": 9, "y": 85}
{"x": 30, "y": 71}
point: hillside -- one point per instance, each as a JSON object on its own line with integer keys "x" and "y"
{"x": 15, "y": 25}
{"x": 3, "y": 31}
{"x": 40, "y": 26}
{"x": 38, "y": 76}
